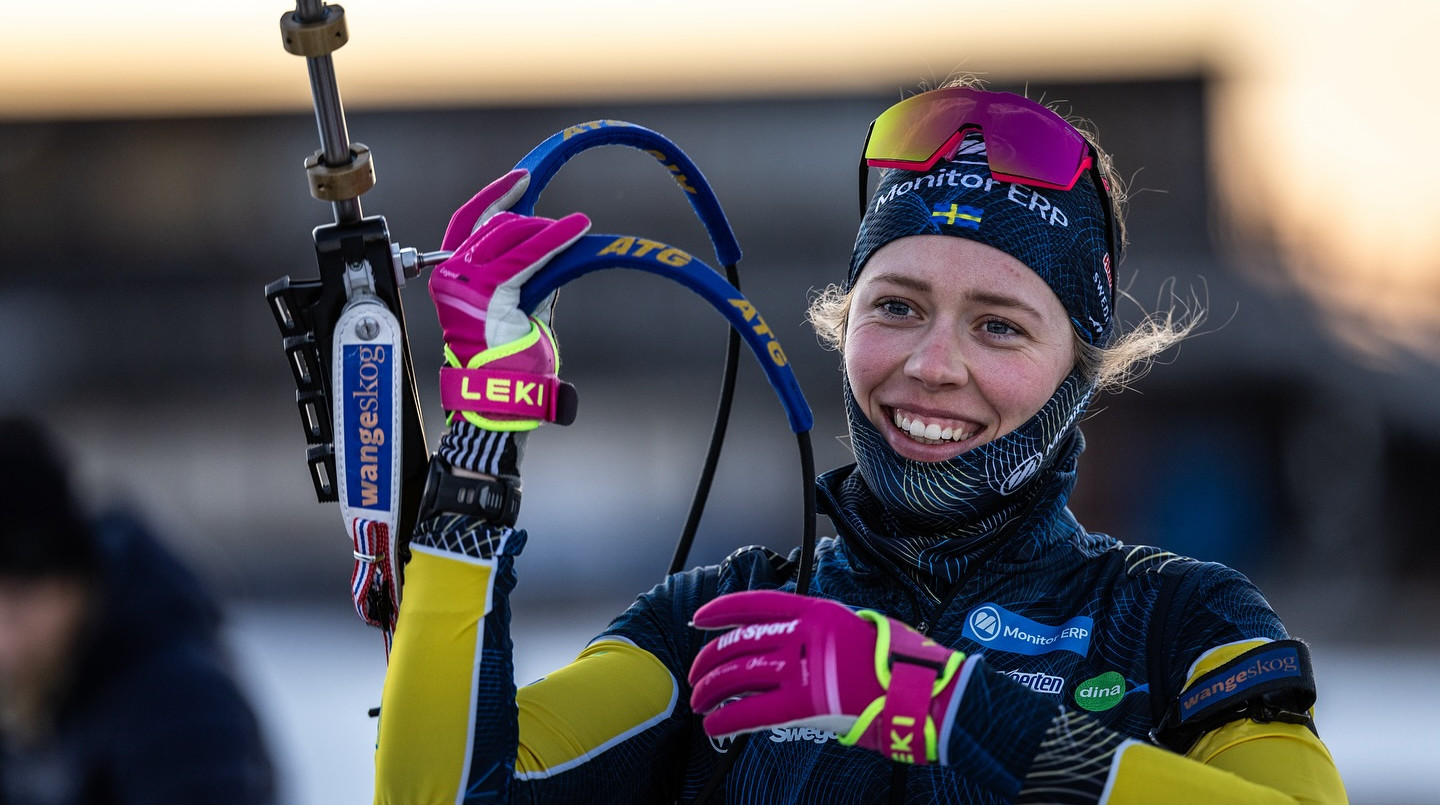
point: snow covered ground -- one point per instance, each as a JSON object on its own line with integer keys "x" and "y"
{"x": 314, "y": 672}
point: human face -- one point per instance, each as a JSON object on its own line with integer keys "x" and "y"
{"x": 954, "y": 339}
{"x": 40, "y": 621}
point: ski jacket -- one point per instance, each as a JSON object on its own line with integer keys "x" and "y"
{"x": 1064, "y": 619}
{"x": 152, "y": 713}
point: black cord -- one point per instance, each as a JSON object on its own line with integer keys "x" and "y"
{"x": 802, "y": 586}
{"x": 712, "y": 455}
{"x": 722, "y": 769}
{"x": 707, "y": 476}
{"x": 717, "y": 441}
{"x": 807, "y": 539}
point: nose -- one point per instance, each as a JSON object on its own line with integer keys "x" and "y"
{"x": 938, "y": 359}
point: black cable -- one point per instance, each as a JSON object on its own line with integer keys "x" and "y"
{"x": 697, "y": 507}
{"x": 807, "y": 539}
{"x": 802, "y": 586}
{"x": 717, "y": 440}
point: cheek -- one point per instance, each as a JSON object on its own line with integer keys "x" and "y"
{"x": 1018, "y": 389}
{"x": 868, "y": 361}
{"x": 857, "y": 375}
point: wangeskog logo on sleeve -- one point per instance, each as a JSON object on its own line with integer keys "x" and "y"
{"x": 1265, "y": 667}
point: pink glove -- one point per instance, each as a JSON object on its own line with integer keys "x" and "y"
{"x": 800, "y": 661}
{"x": 501, "y": 364}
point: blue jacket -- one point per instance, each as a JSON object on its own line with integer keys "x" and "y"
{"x": 1062, "y": 617}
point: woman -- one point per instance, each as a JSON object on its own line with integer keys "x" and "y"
{"x": 1045, "y": 663}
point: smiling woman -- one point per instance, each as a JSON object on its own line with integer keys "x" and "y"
{"x": 952, "y": 345}
{"x": 964, "y": 638}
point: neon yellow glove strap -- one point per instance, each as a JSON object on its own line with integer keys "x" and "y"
{"x": 882, "y": 675}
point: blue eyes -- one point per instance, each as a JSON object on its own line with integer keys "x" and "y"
{"x": 999, "y": 327}
{"x": 895, "y": 308}
{"x": 899, "y": 310}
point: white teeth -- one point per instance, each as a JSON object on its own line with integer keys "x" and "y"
{"x": 933, "y": 434}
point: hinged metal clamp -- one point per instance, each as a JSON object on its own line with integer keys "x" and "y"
{"x": 359, "y": 279}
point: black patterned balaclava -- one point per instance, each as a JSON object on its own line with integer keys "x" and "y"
{"x": 1061, "y": 236}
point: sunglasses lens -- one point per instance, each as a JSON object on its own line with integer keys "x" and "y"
{"x": 1028, "y": 141}
{"x": 915, "y": 129}
{"x": 1024, "y": 141}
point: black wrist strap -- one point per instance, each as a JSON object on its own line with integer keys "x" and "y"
{"x": 493, "y": 500}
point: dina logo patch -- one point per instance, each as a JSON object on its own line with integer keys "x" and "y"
{"x": 1102, "y": 692}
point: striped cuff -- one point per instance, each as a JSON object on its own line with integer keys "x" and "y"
{"x": 495, "y": 453}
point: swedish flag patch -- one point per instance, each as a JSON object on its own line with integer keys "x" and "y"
{"x": 958, "y": 215}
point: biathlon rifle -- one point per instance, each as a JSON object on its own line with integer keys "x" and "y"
{"x": 345, "y": 340}
{"x": 344, "y": 335}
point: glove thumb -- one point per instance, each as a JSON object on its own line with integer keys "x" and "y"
{"x": 493, "y": 198}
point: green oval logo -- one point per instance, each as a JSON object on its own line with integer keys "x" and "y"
{"x": 1101, "y": 693}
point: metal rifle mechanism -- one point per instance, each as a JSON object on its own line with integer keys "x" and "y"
{"x": 344, "y": 336}
{"x": 345, "y": 339}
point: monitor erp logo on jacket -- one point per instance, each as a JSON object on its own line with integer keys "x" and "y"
{"x": 997, "y": 628}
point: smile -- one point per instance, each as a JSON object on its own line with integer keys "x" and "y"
{"x": 930, "y": 433}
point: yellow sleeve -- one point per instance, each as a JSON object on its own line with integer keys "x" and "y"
{"x": 613, "y": 691}
{"x": 427, "y": 736}
{"x": 422, "y": 750}
{"x": 1241, "y": 762}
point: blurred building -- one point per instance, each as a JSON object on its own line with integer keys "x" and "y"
{"x": 132, "y": 315}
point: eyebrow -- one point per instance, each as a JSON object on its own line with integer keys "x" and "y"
{"x": 903, "y": 280}
{"x": 1005, "y": 301}
{"x": 983, "y": 296}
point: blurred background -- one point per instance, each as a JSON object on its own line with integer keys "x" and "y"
{"x": 1279, "y": 160}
